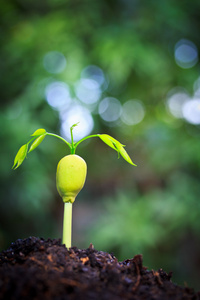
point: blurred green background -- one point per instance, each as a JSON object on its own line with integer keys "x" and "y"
{"x": 126, "y": 68}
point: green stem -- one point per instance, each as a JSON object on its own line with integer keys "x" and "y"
{"x": 31, "y": 140}
{"x": 67, "y": 224}
{"x": 72, "y": 141}
{"x": 59, "y": 137}
{"x": 85, "y": 138}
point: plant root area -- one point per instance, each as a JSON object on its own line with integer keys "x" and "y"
{"x": 35, "y": 268}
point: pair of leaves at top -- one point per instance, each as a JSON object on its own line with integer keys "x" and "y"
{"x": 40, "y": 134}
{"x": 38, "y": 137}
{"x": 117, "y": 146}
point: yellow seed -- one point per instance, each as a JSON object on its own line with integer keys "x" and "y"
{"x": 70, "y": 176}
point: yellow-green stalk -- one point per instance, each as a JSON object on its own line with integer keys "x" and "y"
{"x": 70, "y": 179}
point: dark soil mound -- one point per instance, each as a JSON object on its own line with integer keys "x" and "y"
{"x": 44, "y": 269}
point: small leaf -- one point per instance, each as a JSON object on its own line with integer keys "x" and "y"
{"x": 74, "y": 125}
{"x": 20, "y": 156}
{"x": 116, "y": 145}
{"x": 36, "y": 142}
{"x": 123, "y": 153}
{"x": 39, "y": 132}
{"x": 107, "y": 139}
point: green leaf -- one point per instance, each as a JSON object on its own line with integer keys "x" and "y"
{"x": 36, "y": 142}
{"x": 116, "y": 145}
{"x": 123, "y": 153}
{"x": 20, "y": 156}
{"x": 39, "y": 131}
{"x": 107, "y": 139}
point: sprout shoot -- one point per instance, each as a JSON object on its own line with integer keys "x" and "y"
{"x": 71, "y": 170}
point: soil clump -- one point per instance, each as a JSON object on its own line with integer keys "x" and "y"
{"x": 39, "y": 269}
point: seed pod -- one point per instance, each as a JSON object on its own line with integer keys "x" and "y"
{"x": 70, "y": 176}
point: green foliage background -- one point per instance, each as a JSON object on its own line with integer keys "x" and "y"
{"x": 153, "y": 209}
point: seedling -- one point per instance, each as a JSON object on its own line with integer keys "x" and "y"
{"x": 71, "y": 170}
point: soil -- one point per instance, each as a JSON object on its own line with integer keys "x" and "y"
{"x": 35, "y": 268}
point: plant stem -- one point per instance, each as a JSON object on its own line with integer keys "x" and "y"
{"x": 72, "y": 141}
{"x": 31, "y": 140}
{"x": 59, "y": 137}
{"x": 85, "y": 138}
{"x": 67, "y": 224}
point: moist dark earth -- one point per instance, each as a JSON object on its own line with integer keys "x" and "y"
{"x": 35, "y": 268}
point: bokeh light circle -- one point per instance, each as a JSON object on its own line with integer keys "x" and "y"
{"x": 54, "y": 62}
{"x": 110, "y": 109}
{"x": 95, "y": 73}
{"x": 197, "y": 88}
{"x": 132, "y": 112}
{"x": 75, "y": 114}
{"x": 191, "y": 111}
{"x": 58, "y": 95}
{"x": 88, "y": 91}
{"x": 176, "y": 98}
{"x": 186, "y": 54}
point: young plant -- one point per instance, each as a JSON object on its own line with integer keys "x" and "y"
{"x": 71, "y": 170}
